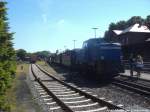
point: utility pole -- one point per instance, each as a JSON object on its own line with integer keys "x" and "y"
{"x": 74, "y": 42}
{"x": 65, "y": 47}
{"x": 95, "y": 31}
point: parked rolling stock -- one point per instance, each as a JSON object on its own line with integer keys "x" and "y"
{"x": 33, "y": 59}
{"x": 96, "y": 56}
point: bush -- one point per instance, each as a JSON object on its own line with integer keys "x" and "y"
{"x": 7, "y": 57}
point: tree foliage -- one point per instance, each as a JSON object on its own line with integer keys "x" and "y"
{"x": 147, "y": 21}
{"x": 7, "y": 53}
{"x": 125, "y": 24}
{"x": 42, "y": 54}
{"x": 21, "y": 54}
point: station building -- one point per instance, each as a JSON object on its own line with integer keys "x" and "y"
{"x": 135, "y": 39}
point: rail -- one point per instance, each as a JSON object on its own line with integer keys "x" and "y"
{"x": 138, "y": 88}
{"x": 64, "y": 106}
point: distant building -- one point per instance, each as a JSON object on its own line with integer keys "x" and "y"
{"x": 133, "y": 35}
{"x": 135, "y": 39}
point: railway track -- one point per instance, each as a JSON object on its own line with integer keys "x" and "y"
{"x": 139, "y": 88}
{"x": 135, "y": 78}
{"x": 63, "y": 97}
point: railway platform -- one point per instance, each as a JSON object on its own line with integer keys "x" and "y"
{"x": 144, "y": 76}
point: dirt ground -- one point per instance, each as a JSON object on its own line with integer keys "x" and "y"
{"x": 19, "y": 96}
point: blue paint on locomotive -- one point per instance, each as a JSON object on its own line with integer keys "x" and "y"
{"x": 98, "y": 49}
{"x": 110, "y": 52}
{"x": 106, "y": 55}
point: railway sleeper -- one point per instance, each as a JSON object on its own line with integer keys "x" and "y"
{"x": 88, "y": 106}
{"x": 142, "y": 92}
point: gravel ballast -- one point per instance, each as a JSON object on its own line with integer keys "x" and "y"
{"x": 117, "y": 95}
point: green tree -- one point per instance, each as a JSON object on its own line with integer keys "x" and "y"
{"x": 7, "y": 53}
{"x": 121, "y": 25}
{"x": 135, "y": 19}
{"x": 21, "y": 54}
{"x": 112, "y": 26}
{"x": 147, "y": 21}
{"x": 42, "y": 54}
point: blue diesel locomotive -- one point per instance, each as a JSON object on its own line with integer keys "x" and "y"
{"x": 100, "y": 57}
{"x": 95, "y": 57}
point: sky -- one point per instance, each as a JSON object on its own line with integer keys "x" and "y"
{"x": 54, "y": 24}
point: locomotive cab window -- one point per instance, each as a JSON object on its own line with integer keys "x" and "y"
{"x": 85, "y": 45}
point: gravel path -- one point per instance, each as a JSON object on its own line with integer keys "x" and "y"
{"x": 24, "y": 97}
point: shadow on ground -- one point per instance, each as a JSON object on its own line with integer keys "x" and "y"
{"x": 89, "y": 80}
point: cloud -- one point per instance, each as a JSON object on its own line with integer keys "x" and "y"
{"x": 44, "y": 18}
{"x": 45, "y": 5}
{"x": 61, "y": 22}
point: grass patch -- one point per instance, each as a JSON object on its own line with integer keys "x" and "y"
{"x": 11, "y": 97}
{"x": 18, "y": 97}
{"x": 46, "y": 66}
{"x": 24, "y": 70}
{"x": 41, "y": 62}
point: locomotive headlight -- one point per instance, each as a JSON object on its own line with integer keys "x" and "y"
{"x": 102, "y": 57}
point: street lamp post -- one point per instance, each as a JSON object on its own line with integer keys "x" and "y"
{"x": 65, "y": 47}
{"x": 95, "y": 31}
{"x": 74, "y": 42}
